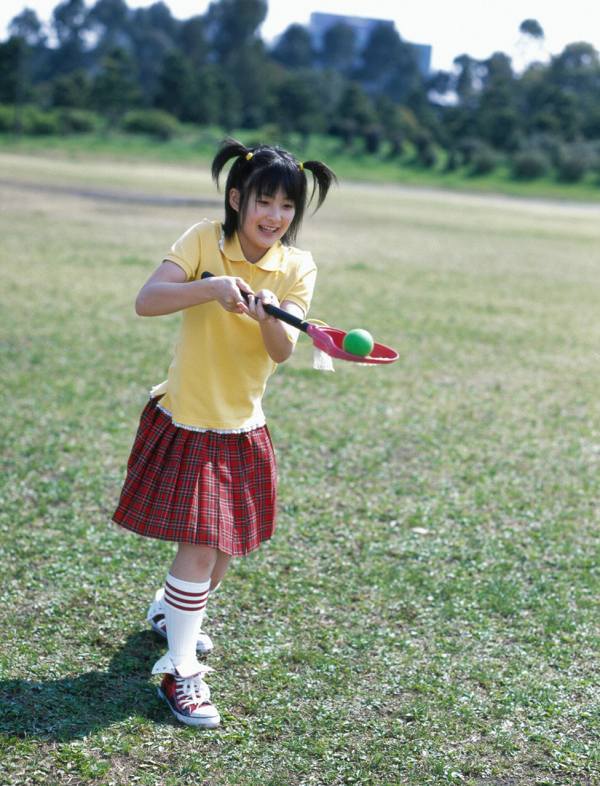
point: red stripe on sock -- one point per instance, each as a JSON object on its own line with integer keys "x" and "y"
{"x": 183, "y": 592}
{"x": 169, "y": 596}
{"x": 194, "y": 599}
{"x": 187, "y": 608}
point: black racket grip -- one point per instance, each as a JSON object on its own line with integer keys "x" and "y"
{"x": 274, "y": 311}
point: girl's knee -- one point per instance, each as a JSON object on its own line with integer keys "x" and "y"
{"x": 203, "y": 558}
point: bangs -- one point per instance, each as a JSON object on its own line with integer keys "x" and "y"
{"x": 270, "y": 179}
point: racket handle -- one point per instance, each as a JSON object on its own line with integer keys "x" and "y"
{"x": 273, "y": 311}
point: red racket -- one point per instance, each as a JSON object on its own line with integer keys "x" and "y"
{"x": 327, "y": 339}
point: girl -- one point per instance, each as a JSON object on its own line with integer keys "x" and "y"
{"x": 202, "y": 469}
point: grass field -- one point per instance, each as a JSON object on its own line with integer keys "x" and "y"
{"x": 427, "y": 612}
{"x": 197, "y": 146}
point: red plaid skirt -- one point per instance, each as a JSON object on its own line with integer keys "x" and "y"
{"x": 217, "y": 490}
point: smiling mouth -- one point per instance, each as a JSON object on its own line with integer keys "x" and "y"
{"x": 270, "y": 230}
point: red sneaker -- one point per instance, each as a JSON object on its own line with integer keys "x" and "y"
{"x": 189, "y": 700}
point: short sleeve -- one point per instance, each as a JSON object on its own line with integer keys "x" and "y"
{"x": 302, "y": 290}
{"x": 185, "y": 252}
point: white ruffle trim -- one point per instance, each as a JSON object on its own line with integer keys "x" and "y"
{"x": 250, "y": 427}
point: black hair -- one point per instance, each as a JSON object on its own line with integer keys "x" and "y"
{"x": 265, "y": 169}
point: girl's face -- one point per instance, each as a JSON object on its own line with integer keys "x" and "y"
{"x": 266, "y": 221}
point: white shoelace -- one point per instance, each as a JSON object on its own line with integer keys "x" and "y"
{"x": 192, "y": 690}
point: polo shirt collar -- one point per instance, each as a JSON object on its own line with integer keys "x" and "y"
{"x": 232, "y": 249}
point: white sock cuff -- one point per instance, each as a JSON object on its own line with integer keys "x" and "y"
{"x": 188, "y": 586}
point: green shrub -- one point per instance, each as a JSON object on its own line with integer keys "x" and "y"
{"x": 39, "y": 122}
{"x": 529, "y": 164}
{"x": 153, "y": 122}
{"x": 483, "y": 161}
{"x": 574, "y": 161}
{"x": 549, "y": 144}
{"x": 270, "y": 134}
{"x": 425, "y": 151}
{"x": 7, "y": 119}
{"x": 78, "y": 121}
{"x": 467, "y": 148}
{"x": 373, "y": 138}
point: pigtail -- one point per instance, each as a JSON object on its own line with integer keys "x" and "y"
{"x": 230, "y": 148}
{"x": 323, "y": 179}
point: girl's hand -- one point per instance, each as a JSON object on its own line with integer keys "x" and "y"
{"x": 228, "y": 292}
{"x": 255, "y": 305}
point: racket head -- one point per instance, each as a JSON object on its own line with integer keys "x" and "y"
{"x": 331, "y": 341}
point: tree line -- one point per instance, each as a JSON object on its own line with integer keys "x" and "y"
{"x": 144, "y": 70}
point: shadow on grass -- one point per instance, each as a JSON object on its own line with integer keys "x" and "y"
{"x": 72, "y": 707}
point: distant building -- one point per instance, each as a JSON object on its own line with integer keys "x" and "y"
{"x": 320, "y": 23}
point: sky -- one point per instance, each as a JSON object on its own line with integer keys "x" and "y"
{"x": 452, "y": 28}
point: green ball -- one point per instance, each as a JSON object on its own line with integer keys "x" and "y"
{"x": 358, "y": 342}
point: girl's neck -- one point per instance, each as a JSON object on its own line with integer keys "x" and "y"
{"x": 251, "y": 257}
{"x": 250, "y": 252}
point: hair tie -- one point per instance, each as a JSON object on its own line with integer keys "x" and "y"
{"x": 249, "y": 155}
{"x": 301, "y": 166}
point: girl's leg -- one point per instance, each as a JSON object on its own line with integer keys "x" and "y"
{"x": 194, "y": 563}
{"x": 219, "y": 570}
{"x": 186, "y": 594}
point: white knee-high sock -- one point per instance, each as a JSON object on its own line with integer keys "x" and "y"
{"x": 184, "y": 605}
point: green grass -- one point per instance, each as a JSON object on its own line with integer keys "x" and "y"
{"x": 198, "y": 147}
{"x": 427, "y": 611}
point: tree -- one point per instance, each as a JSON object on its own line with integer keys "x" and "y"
{"x": 339, "y": 48}
{"x": 216, "y": 99}
{"x": 255, "y": 76}
{"x": 531, "y": 28}
{"x": 530, "y": 46}
{"x": 294, "y": 48}
{"x": 232, "y": 35}
{"x": 388, "y": 65}
{"x": 151, "y": 33}
{"x": 392, "y": 120}
{"x": 379, "y": 51}
{"x": 12, "y": 86}
{"x": 115, "y": 89}
{"x": 298, "y": 106}
{"x": 69, "y": 22}
{"x": 498, "y": 119}
{"x": 28, "y": 27}
{"x": 158, "y": 17}
{"x": 354, "y": 113}
{"x": 574, "y": 78}
{"x": 34, "y": 56}
{"x": 576, "y": 62}
{"x": 175, "y": 85}
{"x": 232, "y": 26}
{"x": 466, "y": 84}
{"x": 191, "y": 39}
{"x": 71, "y": 90}
{"x": 109, "y": 21}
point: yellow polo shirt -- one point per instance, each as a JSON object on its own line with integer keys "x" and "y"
{"x": 220, "y": 369}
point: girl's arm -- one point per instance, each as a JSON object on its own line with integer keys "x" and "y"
{"x": 277, "y": 336}
{"x": 167, "y": 290}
